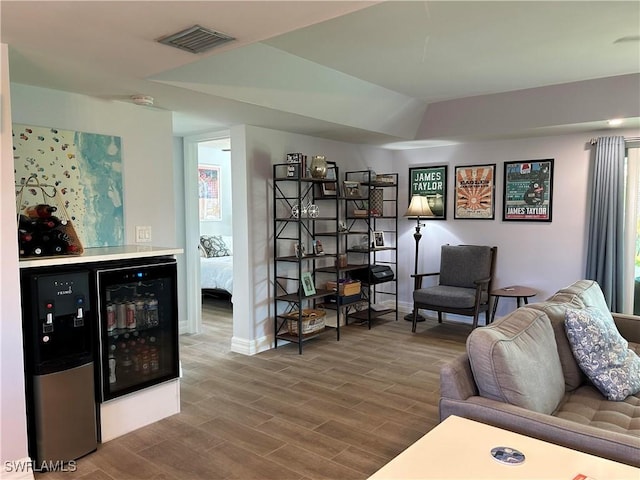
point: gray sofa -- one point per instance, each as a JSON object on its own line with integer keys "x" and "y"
{"x": 515, "y": 379}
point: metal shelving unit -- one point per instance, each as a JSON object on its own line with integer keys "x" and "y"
{"x": 375, "y": 209}
{"x": 301, "y": 216}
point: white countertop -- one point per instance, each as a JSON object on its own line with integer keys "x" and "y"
{"x": 100, "y": 254}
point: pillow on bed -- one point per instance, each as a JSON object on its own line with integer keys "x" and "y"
{"x": 214, "y": 246}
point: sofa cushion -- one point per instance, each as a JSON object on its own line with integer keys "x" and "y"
{"x": 589, "y": 293}
{"x": 515, "y": 360}
{"x": 602, "y": 353}
{"x": 587, "y": 406}
{"x": 555, "y": 308}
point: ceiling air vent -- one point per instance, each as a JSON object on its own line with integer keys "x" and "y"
{"x": 196, "y": 39}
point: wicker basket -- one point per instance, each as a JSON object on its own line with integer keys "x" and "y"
{"x": 312, "y": 321}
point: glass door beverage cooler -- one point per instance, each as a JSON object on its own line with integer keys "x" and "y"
{"x": 138, "y": 326}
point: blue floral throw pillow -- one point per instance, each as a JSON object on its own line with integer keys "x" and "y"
{"x": 214, "y": 246}
{"x": 602, "y": 353}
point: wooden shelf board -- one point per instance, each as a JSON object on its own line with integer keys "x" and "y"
{"x": 364, "y": 314}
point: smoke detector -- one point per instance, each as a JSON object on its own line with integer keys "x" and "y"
{"x": 144, "y": 100}
{"x": 195, "y": 39}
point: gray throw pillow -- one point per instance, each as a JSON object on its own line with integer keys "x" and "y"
{"x": 214, "y": 246}
{"x": 602, "y": 353}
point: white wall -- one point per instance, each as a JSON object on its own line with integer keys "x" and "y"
{"x": 545, "y": 256}
{"x": 149, "y": 199}
{"x": 13, "y": 431}
{"x": 214, "y": 156}
{"x": 147, "y": 150}
{"x": 253, "y": 187}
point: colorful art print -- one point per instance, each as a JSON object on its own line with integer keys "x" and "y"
{"x": 528, "y": 190}
{"x": 430, "y": 182}
{"x": 475, "y": 192}
{"x": 86, "y": 170}
{"x": 209, "y": 192}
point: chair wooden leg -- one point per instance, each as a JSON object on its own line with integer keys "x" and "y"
{"x": 415, "y": 319}
{"x": 475, "y": 320}
{"x": 439, "y": 317}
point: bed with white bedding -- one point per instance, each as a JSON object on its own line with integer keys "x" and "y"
{"x": 216, "y": 273}
{"x": 216, "y": 264}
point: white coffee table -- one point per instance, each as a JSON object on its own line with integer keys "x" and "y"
{"x": 460, "y": 448}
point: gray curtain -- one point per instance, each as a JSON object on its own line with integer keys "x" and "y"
{"x": 606, "y": 226}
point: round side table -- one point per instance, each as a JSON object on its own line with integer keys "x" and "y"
{"x": 520, "y": 293}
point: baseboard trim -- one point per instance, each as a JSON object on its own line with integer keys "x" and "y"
{"x": 247, "y": 346}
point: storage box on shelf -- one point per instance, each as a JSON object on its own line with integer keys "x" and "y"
{"x": 347, "y": 287}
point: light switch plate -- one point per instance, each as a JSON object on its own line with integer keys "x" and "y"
{"x": 143, "y": 234}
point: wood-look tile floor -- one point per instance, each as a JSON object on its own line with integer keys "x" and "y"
{"x": 341, "y": 410}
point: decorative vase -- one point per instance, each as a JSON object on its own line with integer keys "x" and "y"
{"x": 318, "y": 166}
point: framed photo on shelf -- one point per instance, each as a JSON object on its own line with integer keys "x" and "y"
{"x": 351, "y": 189}
{"x": 378, "y": 239}
{"x": 307, "y": 284}
{"x": 474, "y": 196}
{"x": 528, "y": 190}
{"x": 330, "y": 189}
{"x": 318, "y": 249}
{"x": 299, "y": 250}
{"x": 430, "y": 182}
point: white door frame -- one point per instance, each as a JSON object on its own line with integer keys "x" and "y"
{"x": 192, "y": 225}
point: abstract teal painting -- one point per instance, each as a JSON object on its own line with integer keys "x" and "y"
{"x": 85, "y": 169}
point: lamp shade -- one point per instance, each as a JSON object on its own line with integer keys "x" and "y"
{"x": 419, "y": 207}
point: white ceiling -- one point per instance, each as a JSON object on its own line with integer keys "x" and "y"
{"x": 357, "y": 71}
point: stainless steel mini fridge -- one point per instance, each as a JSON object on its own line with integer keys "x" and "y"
{"x": 58, "y": 320}
{"x": 137, "y": 324}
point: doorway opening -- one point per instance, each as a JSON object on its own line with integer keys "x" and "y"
{"x": 209, "y": 222}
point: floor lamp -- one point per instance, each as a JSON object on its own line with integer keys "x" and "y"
{"x": 419, "y": 207}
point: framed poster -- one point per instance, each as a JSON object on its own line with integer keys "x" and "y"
{"x": 475, "y": 192}
{"x": 528, "y": 190}
{"x": 430, "y": 182}
{"x": 209, "y": 192}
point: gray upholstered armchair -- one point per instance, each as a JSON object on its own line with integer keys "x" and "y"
{"x": 466, "y": 273}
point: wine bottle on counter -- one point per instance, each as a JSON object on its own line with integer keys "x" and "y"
{"x": 41, "y": 210}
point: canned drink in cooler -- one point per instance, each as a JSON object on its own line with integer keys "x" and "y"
{"x": 111, "y": 317}
{"x": 131, "y": 315}
{"x": 121, "y": 315}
